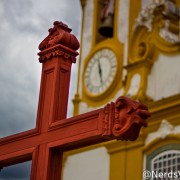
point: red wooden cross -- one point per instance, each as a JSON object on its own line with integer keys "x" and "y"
{"x": 54, "y": 133}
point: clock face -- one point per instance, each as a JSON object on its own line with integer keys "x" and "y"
{"x": 100, "y": 71}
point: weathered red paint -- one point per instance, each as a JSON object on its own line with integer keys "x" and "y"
{"x": 54, "y": 133}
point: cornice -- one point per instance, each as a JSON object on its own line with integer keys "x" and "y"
{"x": 164, "y": 104}
{"x": 119, "y": 146}
{"x": 159, "y": 142}
{"x": 57, "y": 50}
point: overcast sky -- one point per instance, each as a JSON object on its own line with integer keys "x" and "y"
{"x": 24, "y": 24}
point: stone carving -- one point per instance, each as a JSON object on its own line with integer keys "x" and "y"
{"x": 171, "y": 10}
{"x": 59, "y": 34}
{"x": 128, "y": 118}
{"x": 146, "y": 16}
{"x": 167, "y": 35}
{"x": 169, "y": 15}
{"x": 171, "y": 29}
{"x": 165, "y": 129}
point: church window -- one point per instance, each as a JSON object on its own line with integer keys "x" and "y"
{"x": 164, "y": 159}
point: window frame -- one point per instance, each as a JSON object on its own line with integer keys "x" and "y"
{"x": 160, "y": 152}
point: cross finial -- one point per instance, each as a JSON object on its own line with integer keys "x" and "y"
{"x": 59, "y": 34}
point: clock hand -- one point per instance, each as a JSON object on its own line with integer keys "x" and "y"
{"x": 100, "y": 71}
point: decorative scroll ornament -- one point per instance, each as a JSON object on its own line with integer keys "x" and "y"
{"x": 59, "y": 34}
{"x": 57, "y": 43}
{"x": 169, "y": 36}
{"x": 146, "y": 16}
{"x": 169, "y": 27}
{"x": 165, "y": 129}
{"x": 124, "y": 118}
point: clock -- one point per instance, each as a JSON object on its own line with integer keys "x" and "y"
{"x": 100, "y": 72}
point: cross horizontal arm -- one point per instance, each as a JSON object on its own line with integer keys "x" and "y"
{"x": 64, "y": 134}
{"x": 120, "y": 120}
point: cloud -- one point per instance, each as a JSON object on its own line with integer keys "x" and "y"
{"x": 16, "y": 172}
{"x": 24, "y": 24}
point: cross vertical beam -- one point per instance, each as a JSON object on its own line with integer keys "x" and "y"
{"x": 58, "y": 52}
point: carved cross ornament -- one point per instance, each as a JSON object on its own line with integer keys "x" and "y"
{"x": 54, "y": 134}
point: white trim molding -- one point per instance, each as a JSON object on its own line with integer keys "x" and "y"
{"x": 165, "y": 129}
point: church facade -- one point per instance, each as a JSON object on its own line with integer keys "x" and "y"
{"x": 129, "y": 48}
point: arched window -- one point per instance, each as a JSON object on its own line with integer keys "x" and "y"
{"x": 166, "y": 161}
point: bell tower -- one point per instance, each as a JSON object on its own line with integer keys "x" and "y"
{"x": 101, "y": 55}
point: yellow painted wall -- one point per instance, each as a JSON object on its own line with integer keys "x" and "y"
{"x": 127, "y": 158}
